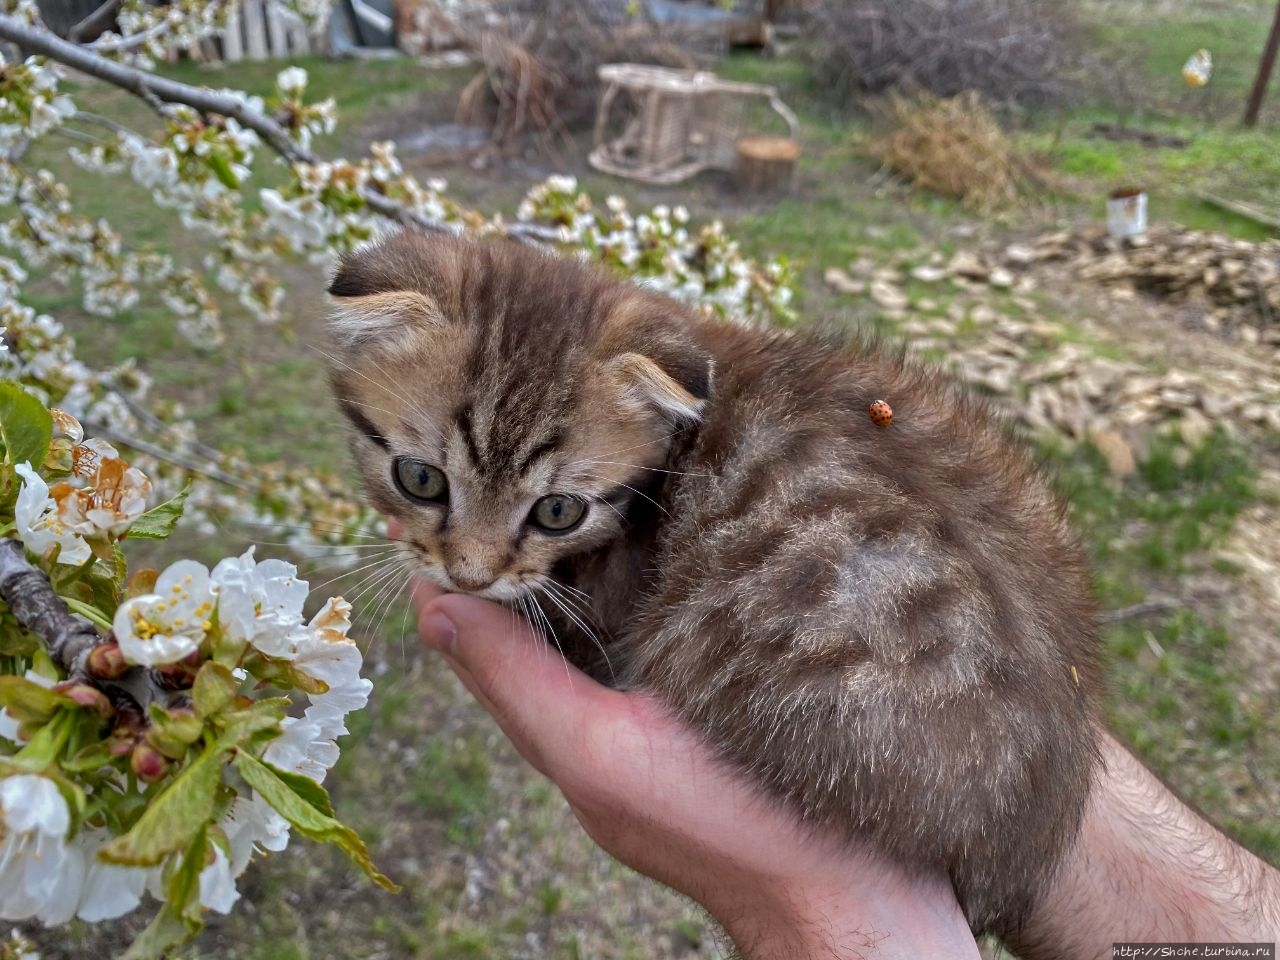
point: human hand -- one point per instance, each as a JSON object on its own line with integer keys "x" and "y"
{"x": 651, "y": 793}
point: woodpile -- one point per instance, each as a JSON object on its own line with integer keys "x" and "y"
{"x": 1239, "y": 280}
{"x": 982, "y": 321}
{"x": 1233, "y": 285}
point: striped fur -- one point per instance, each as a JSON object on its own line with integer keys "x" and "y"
{"x": 890, "y": 630}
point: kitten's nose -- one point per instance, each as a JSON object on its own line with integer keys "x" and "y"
{"x": 463, "y": 582}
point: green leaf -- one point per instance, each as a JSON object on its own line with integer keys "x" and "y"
{"x": 264, "y": 715}
{"x": 158, "y": 522}
{"x": 175, "y": 817}
{"x": 214, "y": 690}
{"x": 25, "y": 426}
{"x": 306, "y": 788}
{"x": 306, "y": 817}
{"x": 183, "y": 888}
{"x": 27, "y": 700}
{"x": 46, "y": 744}
{"x": 222, "y": 170}
{"x": 166, "y": 931}
{"x": 90, "y": 757}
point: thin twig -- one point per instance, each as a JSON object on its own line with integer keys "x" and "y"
{"x": 94, "y": 23}
{"x": 1138, "y": 610}
{"x": 159, "y": 92}
{"x": 167, "y": 456}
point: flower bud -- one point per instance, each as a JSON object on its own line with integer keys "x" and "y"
{"x": 106, "y": 662}
{"x": 86, "y": 696}
{"x": 176, "y": 676}
{"x": 148, "y": 764}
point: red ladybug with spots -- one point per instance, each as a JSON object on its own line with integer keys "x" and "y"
{"x": 881, "y": 413}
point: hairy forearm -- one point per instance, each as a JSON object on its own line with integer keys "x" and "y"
{"x": 1147, "y": 868}
{"x": 870, "y": 912}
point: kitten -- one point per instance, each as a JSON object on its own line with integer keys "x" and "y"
{"x": 888, "y": 628}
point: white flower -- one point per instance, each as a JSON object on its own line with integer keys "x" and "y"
{"x": 309, "y": 745}
{"x": 40, "y": 875}
{"x": 109, "y": 890}
{"x": 36, "y": 518}
{"x": 292, "y": 80}
{"x": 303, "y": 748}
{"x": 217, "y": 885}
{"x": 250, "y": 825}
{"x": 329, "y": 655}
{"x": 165, "y": 626}
{"x": 261, "y": 603}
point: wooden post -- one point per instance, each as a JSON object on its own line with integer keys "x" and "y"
{"x": 1264, "y": 73}
{"x": 765, "y": 164}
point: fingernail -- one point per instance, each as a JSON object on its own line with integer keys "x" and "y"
{"x": 438, "y": 632}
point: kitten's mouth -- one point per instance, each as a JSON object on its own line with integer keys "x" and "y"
{"x": 504, "y": 589}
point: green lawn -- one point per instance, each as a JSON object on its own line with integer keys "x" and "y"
{"x": 488, "y": 853}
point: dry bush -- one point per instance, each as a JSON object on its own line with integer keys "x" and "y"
{"x": 1024, "y": 52}
{"x": 539, "y": 69}
{"x": 956, "y": 148}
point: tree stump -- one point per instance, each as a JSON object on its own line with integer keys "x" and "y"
{"x": 765, "y": 164}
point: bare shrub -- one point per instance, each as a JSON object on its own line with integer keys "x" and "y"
{"x": 1024, "y": 52}
{"x": 539, "y": 68}
{"x": 956, "y": 148}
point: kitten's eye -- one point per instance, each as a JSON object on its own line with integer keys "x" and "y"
{"x": 558, "y": 513}
{"x": 420, "y": 481}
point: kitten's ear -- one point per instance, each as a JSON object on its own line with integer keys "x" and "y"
{"x": 370, "y": 317}
{"x": 679, "y": 391}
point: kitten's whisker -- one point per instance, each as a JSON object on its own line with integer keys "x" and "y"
{"x": 613, "y": 453}
{"x": 331, "y": 527}
{"x": 368, "y": 406}
{"x": 376, "y": 564}
{"x": 385, "y": 600}
{"x": 385, "y": 385}
{"x": 547, "y": 587}
{"x": 621, "y": 516}
{"x": 371, "y": 572}
{"x": 374, "y": 581}
{"x": 550, "y": 629}
{"x": 582, "y": 594}
{"x": 636, "y": 466}
{"x": 638, "y": 493}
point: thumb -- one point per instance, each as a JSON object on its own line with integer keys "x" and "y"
{"x": 542, "y": 703}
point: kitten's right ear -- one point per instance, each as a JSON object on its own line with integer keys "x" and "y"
{"x": 360, "y": 318}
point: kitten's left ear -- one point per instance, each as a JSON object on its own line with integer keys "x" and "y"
{"x": 386, "y": 316}
{"x": 677, "y": 387}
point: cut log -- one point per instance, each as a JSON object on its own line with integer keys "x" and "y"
{"x": 766, "y": 164}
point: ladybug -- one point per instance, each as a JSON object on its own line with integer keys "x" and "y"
{"x": 881, "y": 413}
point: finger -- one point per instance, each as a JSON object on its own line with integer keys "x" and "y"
{"x": 394, "y": 529}
{"x": 541, "y": 702}
{"x": 422, "y": 593}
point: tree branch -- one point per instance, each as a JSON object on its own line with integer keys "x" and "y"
{"x": 158, "y": 91}
{"x": 30, "y": 596}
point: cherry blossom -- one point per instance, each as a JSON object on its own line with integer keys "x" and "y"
{"x": 171, "y": 623}
{"x": 40, "y": 523}
{"x": 40, "y": 875}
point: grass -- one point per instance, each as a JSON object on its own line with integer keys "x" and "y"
{"x": 489, "y": 856}
{"x": 1177, "y": 697}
